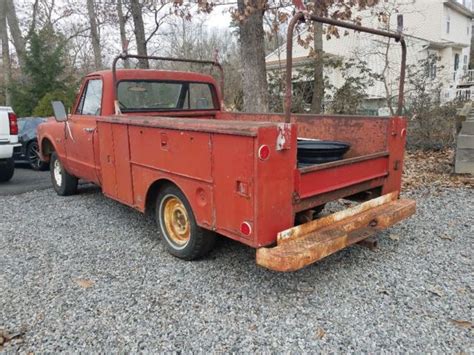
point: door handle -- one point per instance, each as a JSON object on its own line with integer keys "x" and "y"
{"x": 89, "y": 130}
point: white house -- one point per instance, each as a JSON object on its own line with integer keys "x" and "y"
{"x": 431, "y": 27}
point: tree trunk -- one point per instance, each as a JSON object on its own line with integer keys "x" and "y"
{"x": 123, "y": 33}
{"x": 94, "y": 35}
{"x": 18, "y": 40}
{"x": 252, "y": 55}
{"x": 318, "y": 89}
{"x": 5, "y": 53}
{"x": 139, "y": 30}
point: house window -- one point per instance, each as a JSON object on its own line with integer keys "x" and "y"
{"x": 433, "y": 71}
{"x": 448, "y": 23}
{"x": 456, "y": 62}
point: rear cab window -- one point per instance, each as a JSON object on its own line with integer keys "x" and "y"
{"x": 156, "y": 95}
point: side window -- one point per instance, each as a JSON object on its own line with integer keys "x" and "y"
{"x": 200, "y": 97}
{"x": 91, "y": 99}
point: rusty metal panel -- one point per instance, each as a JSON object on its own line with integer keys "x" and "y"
{"x": 234, "y": 184}
{"x": 367, "y": 135}
{"x": 299, "y": 231}
{"x": 320, "y": 199}
{"x": 198, "y": 193}
{"x": 191, "y": 124}
{"x": 396, "y": 140}
{"x": 274, "y": 184}
{"x": 107, "y": 159}
{"x": 311, "y": 183}
{"x": 179, "y": 152}
{"x": 353, "y": 227}
{"x": 123, "y": 174}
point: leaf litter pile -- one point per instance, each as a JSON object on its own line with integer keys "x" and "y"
{"x": 428, "y": 168}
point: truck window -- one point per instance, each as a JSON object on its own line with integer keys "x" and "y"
{"x": 136, "y": 96}
{"x": 200, "y": 97}
{"x": 91, "y": 98}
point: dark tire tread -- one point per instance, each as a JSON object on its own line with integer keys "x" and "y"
{"x": 7, "y": 170}
{"x": 202, "y": 240}
{"x": 69, "y": 182}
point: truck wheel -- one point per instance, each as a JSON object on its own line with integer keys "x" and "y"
{"x": 32, "y": 153}
{"x": 183, "y": 237}
{"x": 7, "y": 168}
{"x": 63, "y": 183}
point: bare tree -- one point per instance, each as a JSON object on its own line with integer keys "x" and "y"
{"x": 139, "y": 29}
{"x": 13, "y": 24}
{"x": 5, "y": 52}
{"x": 252, "y": 55}
{"x": 122, "y": 20}
{"x": 94, "y": 34}
{"x": 318, "y": 86}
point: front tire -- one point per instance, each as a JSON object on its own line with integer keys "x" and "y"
{"x": 63, "y": 183}
{"x": 7, "y": 168}
{"x": 183, "y": 237}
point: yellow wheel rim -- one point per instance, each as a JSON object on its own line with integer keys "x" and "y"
{"x": 176, "y": 220}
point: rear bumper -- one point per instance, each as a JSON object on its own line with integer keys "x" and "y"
{"x": 6, "y": 150}
{"x": 305, "y": 244}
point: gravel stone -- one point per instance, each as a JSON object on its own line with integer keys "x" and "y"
{"x": 85, "y": 273}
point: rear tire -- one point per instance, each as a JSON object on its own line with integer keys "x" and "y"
{"x": 7, "y": 169}
{"x": 63, "y": 183}
{"x": 183, "y": 237}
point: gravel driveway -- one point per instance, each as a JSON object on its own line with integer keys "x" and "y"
{"x": 85, "y": 273}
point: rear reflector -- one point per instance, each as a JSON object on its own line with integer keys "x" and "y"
{"x": 13, "y": 124}
{"x": 246, "y": 228}
{"x": 263, "y": 152}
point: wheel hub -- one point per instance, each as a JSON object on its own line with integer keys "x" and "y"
{"x": 176, "y": 220}
{"x": 58, "y": 177}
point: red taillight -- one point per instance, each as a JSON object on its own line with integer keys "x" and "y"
{"x": 13, "y": 124}
{"x": 246, "y": 228}
{"x": 264, "y": 152}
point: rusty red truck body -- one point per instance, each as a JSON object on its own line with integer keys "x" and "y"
{"x": 205, "y": 171}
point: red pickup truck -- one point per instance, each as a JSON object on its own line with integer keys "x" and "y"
{"x": 160, "y": 141}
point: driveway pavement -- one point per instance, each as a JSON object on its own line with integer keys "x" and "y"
{"x": 25, "y": 180}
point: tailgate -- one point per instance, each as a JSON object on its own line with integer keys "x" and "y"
{"x": 4, "y": 127}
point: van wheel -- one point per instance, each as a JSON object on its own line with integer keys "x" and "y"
{"x": 63, "y": 183}
{"x": 7, "y": 168}
{"x": 32, "y": 153}
{"x": 184, "y": 238}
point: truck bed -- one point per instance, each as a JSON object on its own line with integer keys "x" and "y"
{"x": 215, "y": 162}
{"x": 372, "y": 165}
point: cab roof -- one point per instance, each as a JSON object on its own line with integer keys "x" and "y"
{"x": 155, "y": 74}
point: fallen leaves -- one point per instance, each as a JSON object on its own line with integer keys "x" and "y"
{"x": 6, "y": 337}
{"x": 436, "y": 290}
{"x": 432, "y": 168}
{"x": 445, "y": 237}
{"x": 84, "y": 283}
{"x": 462, "y": 323}
{"x": 320, "y": 333}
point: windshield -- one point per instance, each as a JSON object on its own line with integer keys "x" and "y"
{"x": 134, "y": 95}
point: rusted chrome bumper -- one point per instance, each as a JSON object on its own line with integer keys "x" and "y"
{"x": 305, "y": 244}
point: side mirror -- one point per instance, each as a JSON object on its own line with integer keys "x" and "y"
{"x": 59, "y": 111}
